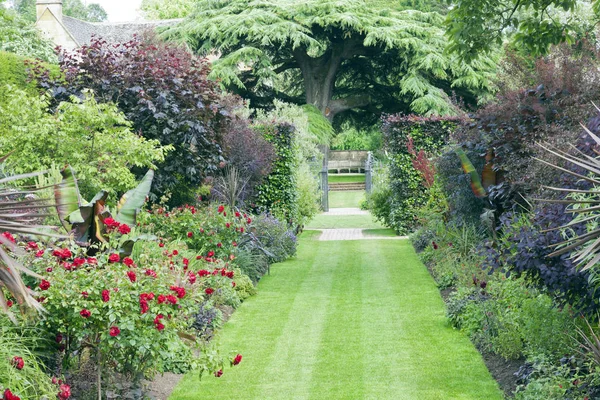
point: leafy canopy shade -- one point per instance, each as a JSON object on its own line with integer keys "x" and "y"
{"x": 335, "y": 55}
{"x": 476, "y": 26}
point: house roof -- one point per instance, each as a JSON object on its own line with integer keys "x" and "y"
{"x": 119, "y": 32}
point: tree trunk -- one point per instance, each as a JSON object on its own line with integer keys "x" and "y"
{"x": 319, "y": 78}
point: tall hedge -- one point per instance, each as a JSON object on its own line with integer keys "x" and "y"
{"x": 278, "y": 193}
{"x": 407, "y": 191}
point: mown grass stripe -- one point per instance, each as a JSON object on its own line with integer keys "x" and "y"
{"x": 347, "y": 320}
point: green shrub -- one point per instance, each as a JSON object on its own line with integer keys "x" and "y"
{"x": 351, "y": 138}
{"x": 278, "y": 194}
{"x": 19, "y": 36}
{"x": 94, "y": 138}
{"x": 408, "y": 192}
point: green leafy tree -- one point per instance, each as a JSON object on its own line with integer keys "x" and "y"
{"x": 19, "y": 36}
{"x": 92, "y": 12}
{"x": 161, "y": 9}
{"x": 94, "y": 138}
{"x": 335, "y": 55}
{"x": 476, "y": 26}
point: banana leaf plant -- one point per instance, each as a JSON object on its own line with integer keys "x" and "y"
{"x": 85, "y": 220}
{"x": 21, "y": 210}
{"x": 583, "y": 204}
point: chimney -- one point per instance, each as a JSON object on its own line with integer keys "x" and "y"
{"x": 53, "y": 5}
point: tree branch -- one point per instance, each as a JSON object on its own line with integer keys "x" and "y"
{"x": 288, "y": 64}
{"x": 340, "y": 105}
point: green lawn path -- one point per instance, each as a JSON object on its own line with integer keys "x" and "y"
{"x": 346, "y": 320}
{"x": 346, "y": 198}
{"x": 355, "y": 178}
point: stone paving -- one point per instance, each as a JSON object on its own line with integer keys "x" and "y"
{"x": 352, "y": 234}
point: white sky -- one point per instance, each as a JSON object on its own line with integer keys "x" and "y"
{"x": 120, "y": 10}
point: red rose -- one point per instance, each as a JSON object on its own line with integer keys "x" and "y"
{"x": 45, "y": 285}
{"x": 234, "y": 244}
{"x": 124, "y": 229}
{"x": 39, "y": 254}
{"x": 203, "y": 272}
{"x": 85, "y": 313}
{"x": 161, "y": 245}
{"x": 192, "y": 278}
{"x": 91, "y": 260}
{"x": 242, "y": 230}
{"x": 151, "y": 273}
{"x": 114, "y": 258}
{"x": 85, "y": 294}
{"x": 132, "y": 276}
{"x": 18, "y": 362}
{"x": 237, "y": 359}
{"x": 105, "y": 296}
{"x": 237, "y": 214}
{"x": 249, "y": 220}
{"x": 219, "y": 245}
{"x": 230, "y": 274}
{"x": 143, "y": 306}
{"x": 179, "y": 290}
{"x": 62, "y": 253}
{"x": 219, "y": 373}
{"x": 9, "y": 237}
{"x": 128, "y": 261}
{"x": 110, "y": 222}
{"x": 9, "y": 303}
{"x": 78, "y": 262}
{"x": 227, "y": 225}
{"x": 64, "y": 391}
{"x": 190, "y": 234}
{"x": 232, "y": 284}
{"x": 172, "y": 299}
{"x": 175, "y": 252}
{"x": 209, "y": 291}
{"x": 186, "y": 262}
{"x": 114, "y": 331}
{"x": 32, "y": 246}
{"x": 210, "y": 254}
{"x": 161, "y": 298}
{"x": 8, "y": 395}
{"x": 159, "y": 325}
{"x": 221, "y": 209}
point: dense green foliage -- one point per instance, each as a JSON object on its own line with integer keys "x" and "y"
{"x": 167, "y": 9}
{"x": 279, "y": 194}
{"x": 31, "y": 381}
{"x": 311, "y": 130}
{"x": 95, "y": 139}
{"x": 20, "y": 36}
{"x": 92, "y": 12}
{"x": 476, "y": 27}
{"x": 335, "y": 55}
{"x": 407, "y": 187}
{"x": 164, "y": 92}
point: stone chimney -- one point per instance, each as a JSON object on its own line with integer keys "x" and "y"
{"x": 53, "y": 5}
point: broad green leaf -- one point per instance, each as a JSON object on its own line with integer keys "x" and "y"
{"x": 134, "y": 200}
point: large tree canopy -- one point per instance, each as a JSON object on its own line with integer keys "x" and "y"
{"x": 335, "y": 55}
{"x": 477, "y": 26}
